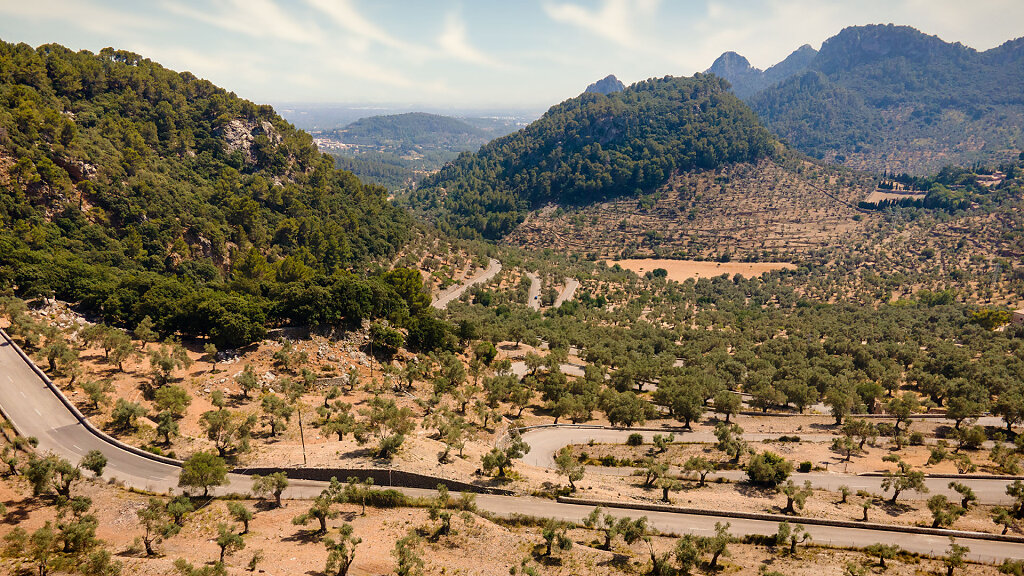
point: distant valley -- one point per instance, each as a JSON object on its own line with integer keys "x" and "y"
{"x": 398, "y": 150}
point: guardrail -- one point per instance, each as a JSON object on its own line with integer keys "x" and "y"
{"x": 794, "y": 519}
{"x": 85, "y": 422}
{"x": 382, "y": 477}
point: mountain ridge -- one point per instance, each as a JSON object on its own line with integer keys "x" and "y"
{"x": 887, "y": 97}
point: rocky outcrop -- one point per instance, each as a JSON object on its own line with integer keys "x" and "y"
{"x": 240, "y": 134}
{"x": 747, "y": 80}
{"x": 607, "y": 85}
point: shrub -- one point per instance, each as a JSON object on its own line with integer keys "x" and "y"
{"x": 769, "y": 469}
{"x": 386, "y": 498}
{"x": 805, "y": 466}
{"x": 635, "y": 439}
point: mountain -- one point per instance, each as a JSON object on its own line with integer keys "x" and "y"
{"x": 747, "y": 80}
{"x": 415, "y": 129}
{"x": 397, "y": 150}
{"x": 592, "y": 148}
{"x": 885, "y": 97}
{"x": 796, "y": 62}
{"x": 607, "y": 85}
{"x": 133, "y": 191}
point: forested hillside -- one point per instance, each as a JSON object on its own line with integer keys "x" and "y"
{"x": 415, "y": 129}
{"x": 397, "y": 150}
{"x": 892, "y": 98}
{"x": 136, "y": 191}
{"x": 591, "y": 148}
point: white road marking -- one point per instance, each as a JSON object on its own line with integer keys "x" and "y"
{"x": 22, "y": 393}
{"x": 75, "y": 446}
{"x": 38, "y": 413}
{"x": 9, "y": 379}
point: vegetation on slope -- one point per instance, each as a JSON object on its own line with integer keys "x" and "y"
{"x": 892, "y": 97}
{"x": 136, "y": 191}
{"x": 412, "y": 130}
{"x": 592, "y": 148}
{"x": 398, "y": 150}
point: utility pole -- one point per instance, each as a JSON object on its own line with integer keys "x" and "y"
{"x": 295, "y": 393}
{"x": 302, "y": 437}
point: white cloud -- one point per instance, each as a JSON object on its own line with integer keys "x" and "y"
{"x": 613, "y": 21}
{"x": 257, "y": 18}
{"x": 345, "y": 16}
{"x": 84, "y": 14}
{"x": 454, "y": 43}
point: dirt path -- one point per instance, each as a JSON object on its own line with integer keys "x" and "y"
{"x": 571, "y": 284}
{"x": 445, "y": 297}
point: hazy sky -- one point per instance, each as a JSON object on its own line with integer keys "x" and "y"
{"x": 470, "y": 53}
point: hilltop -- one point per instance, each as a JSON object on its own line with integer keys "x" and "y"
{"x": 885, "y": 97}
{"x": 607, "y": 85}
{"x": 593, "y": 148}
{"x": 415, "y": 129}
{"x": 747, "y": 80}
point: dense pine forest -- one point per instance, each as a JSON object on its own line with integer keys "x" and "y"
{"x": 591, "y": 148}
{"x": 137, "y": 191}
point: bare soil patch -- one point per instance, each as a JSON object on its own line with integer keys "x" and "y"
{"x": 681, "y": 270}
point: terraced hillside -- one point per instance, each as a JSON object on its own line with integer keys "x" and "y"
{"x": 746, "y": 211}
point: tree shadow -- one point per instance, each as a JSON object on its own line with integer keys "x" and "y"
{"x": 616, "y": 560}
{"x": 265, "y": 505}
{"x": 896, "y": 509}
{"x": 549, "y": 561}
{"x": 359, "y": 452}
{"x": 18, "y": 512}
{"x": 754, "y": 491}
{"x": 305, "y": 536}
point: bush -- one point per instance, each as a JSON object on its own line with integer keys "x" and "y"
{"x": 916, "y": 439}
{"x": 635, "y": 439}
{"x": 789, "y": 438}
{"x": 386, "y": 499}
{"x": 971, "y": 438}
{"x": 805, "y": 466}
{"x": 768, "y": 469}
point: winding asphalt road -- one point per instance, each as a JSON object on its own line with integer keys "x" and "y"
{"x": 35, "y": 410}
{"x": 533, "y": 299}
{"x": 545, "y": 442}
{"x": 445, "y": 297}
{"x": 571, "y": 284}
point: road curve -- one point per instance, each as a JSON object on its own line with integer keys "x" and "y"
{"x": 445, "y": 297}
{"x": 567, "y": 293}
{"x": 34, "y": 409}
{"x": 545, "y": 442}
{"x": 533, "y": 298}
